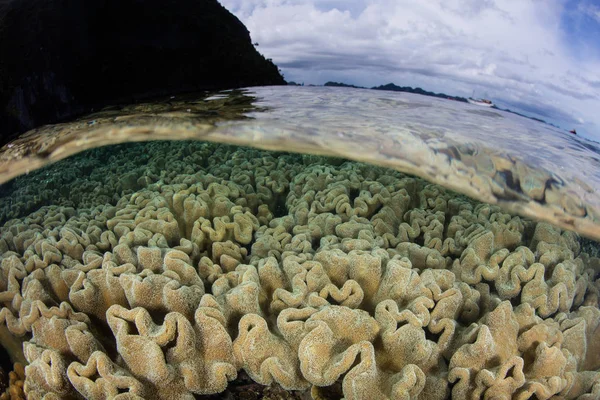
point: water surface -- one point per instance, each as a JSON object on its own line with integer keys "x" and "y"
{"x": 527, "y": 167}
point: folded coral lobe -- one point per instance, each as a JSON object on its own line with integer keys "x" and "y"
{"x": 303, "y": 273}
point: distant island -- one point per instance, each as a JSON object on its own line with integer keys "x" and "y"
{"x": 418, "y": 90}
{"x": 340, "y": 84}
{"x": 396, "y": 88}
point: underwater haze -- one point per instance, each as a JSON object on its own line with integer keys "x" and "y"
{"x": 303, "y": 242}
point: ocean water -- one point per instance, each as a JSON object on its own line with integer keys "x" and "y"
{"x": 323, "y": 242}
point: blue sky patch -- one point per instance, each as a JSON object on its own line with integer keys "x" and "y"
{"x": 580, "y": 22}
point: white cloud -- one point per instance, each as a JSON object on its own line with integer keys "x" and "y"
{"x": 511, "y": 50}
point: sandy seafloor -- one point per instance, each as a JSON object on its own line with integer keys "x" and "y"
{"x": 394, "y": 246}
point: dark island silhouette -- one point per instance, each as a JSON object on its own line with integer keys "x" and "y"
{"x": 63, "y": 58}
{"x": 418, "y": 90}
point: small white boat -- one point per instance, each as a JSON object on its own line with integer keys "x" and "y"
{"x": 480, "y": 102}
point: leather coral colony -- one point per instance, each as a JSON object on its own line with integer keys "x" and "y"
{"x": 300, "y": 270}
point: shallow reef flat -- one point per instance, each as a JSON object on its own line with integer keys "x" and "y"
{"x": 127, "y": 276}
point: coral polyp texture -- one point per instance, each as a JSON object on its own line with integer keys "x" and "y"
{"x": 167, "y": 279}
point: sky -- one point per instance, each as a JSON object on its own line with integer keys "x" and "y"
{"x": 539, "y": 57}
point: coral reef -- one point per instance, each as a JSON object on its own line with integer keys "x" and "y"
{"x": 14, "y": 384}
{"x": 304, "y": 272}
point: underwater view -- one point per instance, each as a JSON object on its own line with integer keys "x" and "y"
{"x": 300, "y": 243}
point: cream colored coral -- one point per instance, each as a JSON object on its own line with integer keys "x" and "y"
{"x": 265, "y": 356}
{"x": 100, "y": 378}
{"x": 304, "y": 272}
{"x": 176, "y": 358}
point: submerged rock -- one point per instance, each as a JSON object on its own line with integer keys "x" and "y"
{"x": 61, "y": 58}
